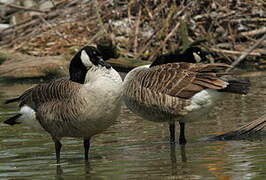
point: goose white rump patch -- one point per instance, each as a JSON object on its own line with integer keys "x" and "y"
{"x": 202, "y": 99}
{"x": 29, "y": 117}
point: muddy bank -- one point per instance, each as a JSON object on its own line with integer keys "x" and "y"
{"x": 15, "y": 65}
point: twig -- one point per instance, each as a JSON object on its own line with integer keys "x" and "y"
{"x": 147, "y": 44}
{"x": 23, "y": 8}
{"x": 249, "y": 33}
{"x": 254, "y": 32}
{"x": 149, "y": 13}
{"x": 52, "y": 1}
{"x": 15, "y": 25}
{"x": 224, "y": 51}
{"x": 247, "y": 20}
{"x": 57, "y": 32}
{"x": 15, "y": 29}
{"x": 165, "y": 40}
{"x": 137, "y": 32}
{"x": 100, "y": 20}
{"x": 31, "y": 22}
{"x": 172, "y": 32}
{"x": 247, "y": 52}
{"x": 130, "y": 3}
{"x": 100, "y": 33}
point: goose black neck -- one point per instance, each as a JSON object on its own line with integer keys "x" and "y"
{"x": 77, "y": 71}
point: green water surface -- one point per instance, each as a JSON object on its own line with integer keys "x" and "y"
{"x": 137, "y": 149}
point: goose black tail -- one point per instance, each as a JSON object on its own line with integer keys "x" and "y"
{"x": 237, "y": 86}
{"x": 13, "y": 120}
{"x": 12, "y": 100}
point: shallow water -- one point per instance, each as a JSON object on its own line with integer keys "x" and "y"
{"x": 136, "y": 149}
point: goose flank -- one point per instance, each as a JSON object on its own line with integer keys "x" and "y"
{"x": 171, "y": 90}
{"x": 83, "y": 105}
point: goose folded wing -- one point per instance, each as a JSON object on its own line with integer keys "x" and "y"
{"x": 56, "y": 90}
{"x": 183, "y": 80}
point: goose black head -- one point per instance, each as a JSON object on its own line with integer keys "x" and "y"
{"x": 190, "y": 55}
{"x": 194, "y": 55}
{"x": 86, "y": 58}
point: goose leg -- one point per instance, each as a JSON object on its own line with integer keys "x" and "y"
{"x": 183, "y": 152}
{"x": 58, "y": 146}
{"x": 182, "y": 138}
{"x": 86, "y": 144}
{"x": 172, "y": 132}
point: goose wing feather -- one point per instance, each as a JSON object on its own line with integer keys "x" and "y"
{"x": 182, "y": 80}
{"x": 56, "y": 90}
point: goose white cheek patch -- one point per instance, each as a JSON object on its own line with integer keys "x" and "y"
{"x": 197, "y": 57}
{"x": 85, "y": 59}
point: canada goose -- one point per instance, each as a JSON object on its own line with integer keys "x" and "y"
{"x": 177, "y": 91}
{"x": 253, "y": 130}
{"x": 83, "y": 105}
{"x": 190, "y": 55}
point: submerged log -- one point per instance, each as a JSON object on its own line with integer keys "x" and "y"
{"x": 251, "y": 131}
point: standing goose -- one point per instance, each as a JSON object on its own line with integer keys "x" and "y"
{"x": 83, "y": 105}
{"x": 170, "y": 89}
